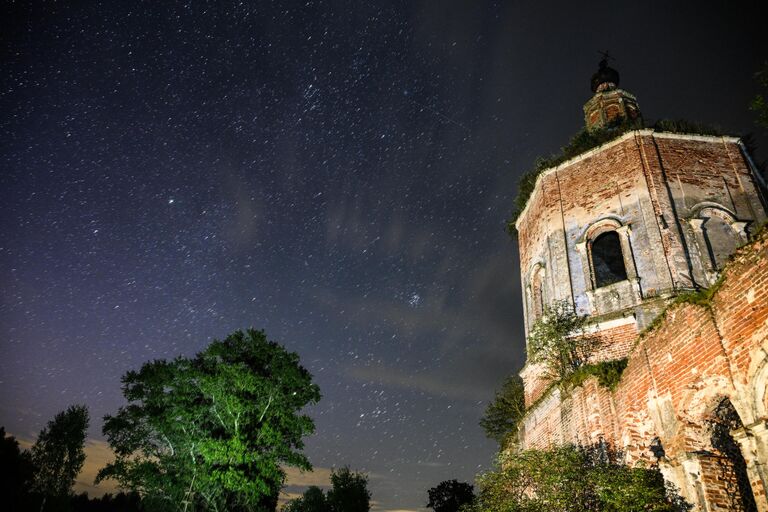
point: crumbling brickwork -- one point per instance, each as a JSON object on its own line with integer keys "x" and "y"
{"x": 619, "y": 232}
{"x": 698, "y": 357}
{"x": 676, "y": 205}
{"x": 610, "y": 107}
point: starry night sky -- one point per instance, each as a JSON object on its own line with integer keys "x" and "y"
{"x": 338, "y": 174}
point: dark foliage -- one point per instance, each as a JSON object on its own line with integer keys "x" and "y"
{"x": 450, "y": 496}
{"x": 760, "y": 104}
{"x": 504, "y": 413}
{"x": 21, "y": 480}
{"x": 58, "y": 455}
{"x": 349, "y": 492}
{"x": 685, "y": 126}
{"x": 17, "y": 474}
{"x": 313, "y": 500}
{"x": 120, "y": 502}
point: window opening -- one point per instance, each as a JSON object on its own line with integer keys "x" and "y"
{"x": 608, "y": 259}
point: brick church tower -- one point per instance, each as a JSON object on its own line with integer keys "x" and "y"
{"x": 619, "y": 231}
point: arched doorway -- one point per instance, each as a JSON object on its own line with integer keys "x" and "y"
{"x": 733, "y": 474}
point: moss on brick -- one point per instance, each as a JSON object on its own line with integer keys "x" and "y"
{"x": 586, "y": 140}
{"x": 608, "y": 374}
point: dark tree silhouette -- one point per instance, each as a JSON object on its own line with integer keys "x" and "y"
{"x": 120, "y": 502}
{"x": 349, "y": 492}
{"x": 58, "y": 454}
{"x": 450, "y": 495}
{"x": 17, "y": 470}
{"x": 313, "y": 500}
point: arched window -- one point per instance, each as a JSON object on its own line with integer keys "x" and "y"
{"x": 721, "y": 237}
{"x": 607, "y": 259}
{"x": 718, "y": 233}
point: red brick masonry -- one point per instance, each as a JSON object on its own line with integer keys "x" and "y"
{"x": 677, "y": 374}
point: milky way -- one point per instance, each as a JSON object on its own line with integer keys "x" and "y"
{"x": 338, "y": 174}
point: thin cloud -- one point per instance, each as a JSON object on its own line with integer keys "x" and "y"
{"x": 430, "y": 384}
{"x": 319, "y": 476}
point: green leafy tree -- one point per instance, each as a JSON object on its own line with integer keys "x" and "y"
{"x": 313, "y": 500}
{"x": 213, "y": 432}
{"x": 349, "y": 492}
{"x": 573, "y": 479}
{"x": 560, "y": 341}
{"x": 450, "y": 496}
{"x": 503, "y": 414}
{"x": 58, "y": 454}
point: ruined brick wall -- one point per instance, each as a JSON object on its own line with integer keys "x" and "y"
{"x": 680, "y": 205}
{"x": 676, "y": 376}
{"x": 614, "y": 339}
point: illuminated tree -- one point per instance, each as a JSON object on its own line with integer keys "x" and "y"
{"x": 213, "y": 432}
{"x": 574, "y": 479}
{"x": 560, "y": 341}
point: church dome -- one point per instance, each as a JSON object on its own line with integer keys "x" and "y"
{"x": 605, "y": 77}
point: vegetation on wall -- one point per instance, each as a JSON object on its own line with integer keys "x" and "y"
{"x": 685, "y": 126}
{"x": 759, "y": 103}
{"x": 586, "y": 140}
{"x": 704, "y": 296}
{"x": 504, "y": 413}
{"x": 608, "y": 374}
{"x": 574, "y": 478}
{"x": 580, "y": 143}
{"x": 560, "y": 341}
